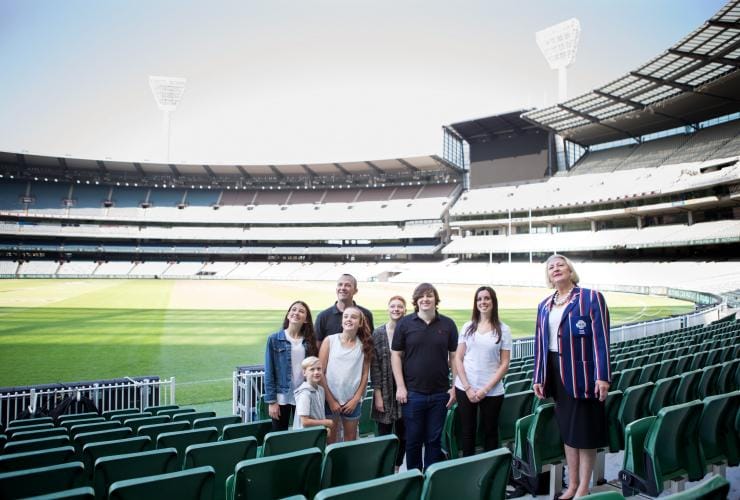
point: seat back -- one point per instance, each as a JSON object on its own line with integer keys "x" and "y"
{"x": 726, "y": 377}
{"x": 613, "y": 428}
{"x": 280, "y": 442}
{"x": 191, "y": 417}
{"x": 401, "y": 486}
{"x": 686, "y": 390}
{"x": 123, "y": 416}
{"x": 191, "y": 484}
{"x": 517, "y": 386}
{"x": 515, "y": 406}
{"x": 218, "y": 422}
{"x": 43, "y": 433}
{"x": 36, "y": 444}
{"x": 707, "y": 385}
{"x": 154, "y": 430}
{"x": 155, "y": 410}
{"x": 108, "y": 470}
{"x": 71, "y": 422}
{"x": 663, "y": 393}
{"x": 26, "y": 422}
{"x": 78, "y": 416}
{"x": 543, "y": 438}
{"x": 34, "y": 459}
{"x": 137, "y": 422}
{"x": 258, "y": 429}
{"x": 633, "y": 472}
{"x": 634, "y": 403}
{"x": 667, "y": 368}
{"x": 277, "y": 476}
{"x": 95, "y": 450}
{"x": 628, "y": 378}
{"x": 481, "y": 476}
{"x": 175, "y": 411}
{"x": 366, "y": 425}
{"x": 125, "y": 411}
{"x": 649, "y": 373}
{"x": 92, "y": 427}
{"x": 718, "y": 438}
{"x": 41, "y": 480}
{"x": 180, "y": 440}
{"x": 11, "y": 431}
{"x": 222, "y": 456}
{"x": 360, "y": 460}
{"x": 92, "y": 437}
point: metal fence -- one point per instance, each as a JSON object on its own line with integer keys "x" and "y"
{"x": 105, "y": 395}
{"x": 248, "y": 387}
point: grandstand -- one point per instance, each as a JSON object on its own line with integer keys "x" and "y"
{"x": 645, "y": 198}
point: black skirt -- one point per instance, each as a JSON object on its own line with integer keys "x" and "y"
{"x": 582, "y": 422}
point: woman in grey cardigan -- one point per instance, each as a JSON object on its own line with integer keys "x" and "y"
{"x": 386, "y": 410}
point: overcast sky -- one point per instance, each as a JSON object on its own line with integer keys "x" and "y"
{"x": 299, "y": 81}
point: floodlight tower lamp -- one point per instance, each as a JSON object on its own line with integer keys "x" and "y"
{"x": 559, "y": 44}
{"x": 168, "y": 93}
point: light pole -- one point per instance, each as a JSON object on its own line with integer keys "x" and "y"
{"x": 559, "y": 44}
{"x": 167, "y": 92}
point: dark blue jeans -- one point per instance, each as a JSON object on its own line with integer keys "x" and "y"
{"x": 424, "y": 416}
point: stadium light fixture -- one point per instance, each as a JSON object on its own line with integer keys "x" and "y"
{"x": 559, "y": 44}
{"x": 168, "y": 93}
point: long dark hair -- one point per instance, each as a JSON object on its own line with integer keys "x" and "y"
{"x": 364, "y": 334}
{"x": 306, "y": 329}
{"x": 475, "y": 317}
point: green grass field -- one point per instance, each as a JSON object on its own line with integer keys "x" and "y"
{"x": 198, "y": 331}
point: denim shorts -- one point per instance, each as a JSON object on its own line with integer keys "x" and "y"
{"x": 355, "y": 415}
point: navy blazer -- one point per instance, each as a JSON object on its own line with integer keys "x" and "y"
{"x": 583, "y": 343}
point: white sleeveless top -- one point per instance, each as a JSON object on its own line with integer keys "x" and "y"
{"x": 556, "y": 314}
{"x": 343, "y": 369}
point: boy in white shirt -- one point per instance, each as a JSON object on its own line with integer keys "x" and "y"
{"x": 309, "y": 398}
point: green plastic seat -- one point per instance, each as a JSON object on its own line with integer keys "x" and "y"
{"x": 152, "y": 431}
{"x": 155, "y": 410}
{"x": 11, "y": 431}
{"x": 662, "y": 448}
{"x": 450, "y": 433}
{"x": 726, "y": 378}
{"x": 649, "y": 373}
{"x": 94, "y": 427}
{"x": 634, "y": 405}
{"x": 698, "y": 361}
{"x": 107, "y": 470}
{"x": 402, "y": 486}
{"x": 666, "y": 368}
{"x": 663, "y": 393}
{"x": 537, "y": 444}
{"x": 77, "y": 416}
{"x": 686, "y": 390}
{"x": 122, "y": 417}
{"x": 257, "y": 429}
{"x": 222, "y": 456}
{"x": 707, "y": 385}
{"x": 361, "y": 460}
{"x": 137, "y": 422}
{"x": 518, "y": 386}
{"x": 175, "y": 411}
{"x": 714, "y": 357}
{"x": 612, "y": 404}
{"x": 480, "y": 476}
{"x": 366, "y": 426}
{"x": 719, "y": 440}
{"x": 515, "y": 406}
{"x": 218, "y": 422}
{"x": 278, "y": 476}
{"x": 682, "y": 364}
{"x": 43, "y": 433}
{"x": 191, "y": 484}
{"x": 3, "y": 440}
{"x": 124, "y": 411}
{"x": 81, "y": 493}
{"x": 180, "y": 440}
{"x": 280, "y": 442}
{"x": 34, "y": 459}
{"x": 25, "y": 422}
{"x": 605, "y": 495}
{"x": 33, "y": 482}
{"x": 514, "y": 376}
{"x": 84, "y": 438}
{"x": 714, "y": 488}
{"x": 36, "y": 444}
{"x": 192, "y": 416}
{"x": 71, "y": 422}
{"x": 93, "y": 451}
{"x": 628, "y": 378}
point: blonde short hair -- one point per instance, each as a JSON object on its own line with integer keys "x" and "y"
{"x": 309, "y": 362}
{"x": 574, "y": 278}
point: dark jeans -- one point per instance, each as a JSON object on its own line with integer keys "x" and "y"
{"x": 385, "y": 429}
{"x": 490, "y": 408}
{"x": 282, "y": 424}
{"x": 424, "y": 417}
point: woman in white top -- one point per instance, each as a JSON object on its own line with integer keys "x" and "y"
{"x": 346, "y": 361}
{"x": 482, "y": 359}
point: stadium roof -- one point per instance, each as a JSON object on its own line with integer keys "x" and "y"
{"x": 23, "y": 163}
{"x": 697, "y": 79}
{"x": 486, "y": 129}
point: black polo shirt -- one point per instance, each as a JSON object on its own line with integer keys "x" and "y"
{"x": 329, "y": 321}
{"x": 426, "y": 351}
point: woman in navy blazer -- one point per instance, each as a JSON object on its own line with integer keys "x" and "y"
{"x": 571, "y": 364}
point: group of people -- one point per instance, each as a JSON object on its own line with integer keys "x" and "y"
{"x": 318, "y": 373}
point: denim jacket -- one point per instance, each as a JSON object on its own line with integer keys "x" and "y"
{"x": 278, "y": 370}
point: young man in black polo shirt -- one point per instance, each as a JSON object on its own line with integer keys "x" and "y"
{"x": 423, "y": 347}
{"x": 329, "y": 321}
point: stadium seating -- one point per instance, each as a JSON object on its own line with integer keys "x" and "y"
{"x": 190, "y": 484}
{"x": 537, "y": 446}
{"x": 401, "y": 486}
{"x": 222, "y": 456}
{"x": 481, "y": 476}
{"x": 42, "y": 480}
{"x": 280, "y": 442}
{"x": 361, "y": 460}
{"x": 257, "y": 429}
{"x": 112, "y": 468}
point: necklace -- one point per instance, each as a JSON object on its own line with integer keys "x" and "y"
{"x": 558, "y": 301}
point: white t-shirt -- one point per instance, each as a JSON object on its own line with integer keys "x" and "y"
{"x": 297, "y": 355}
{"x": 553, "y": 320}
{"x": 483, "y": 357}
{"x": 343, "y": 368}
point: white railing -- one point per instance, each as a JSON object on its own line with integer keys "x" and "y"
{"x": 247, "y": 390}
{"x": 139, "y": 392}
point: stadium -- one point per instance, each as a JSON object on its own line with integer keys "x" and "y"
{"x": 139, "y": 294}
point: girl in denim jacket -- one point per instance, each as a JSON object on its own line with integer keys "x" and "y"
{"x": 285, "y": 351}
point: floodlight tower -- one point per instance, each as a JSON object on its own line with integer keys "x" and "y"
{"x": 559, "y": 44}
{"x": 167, "y": 92}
